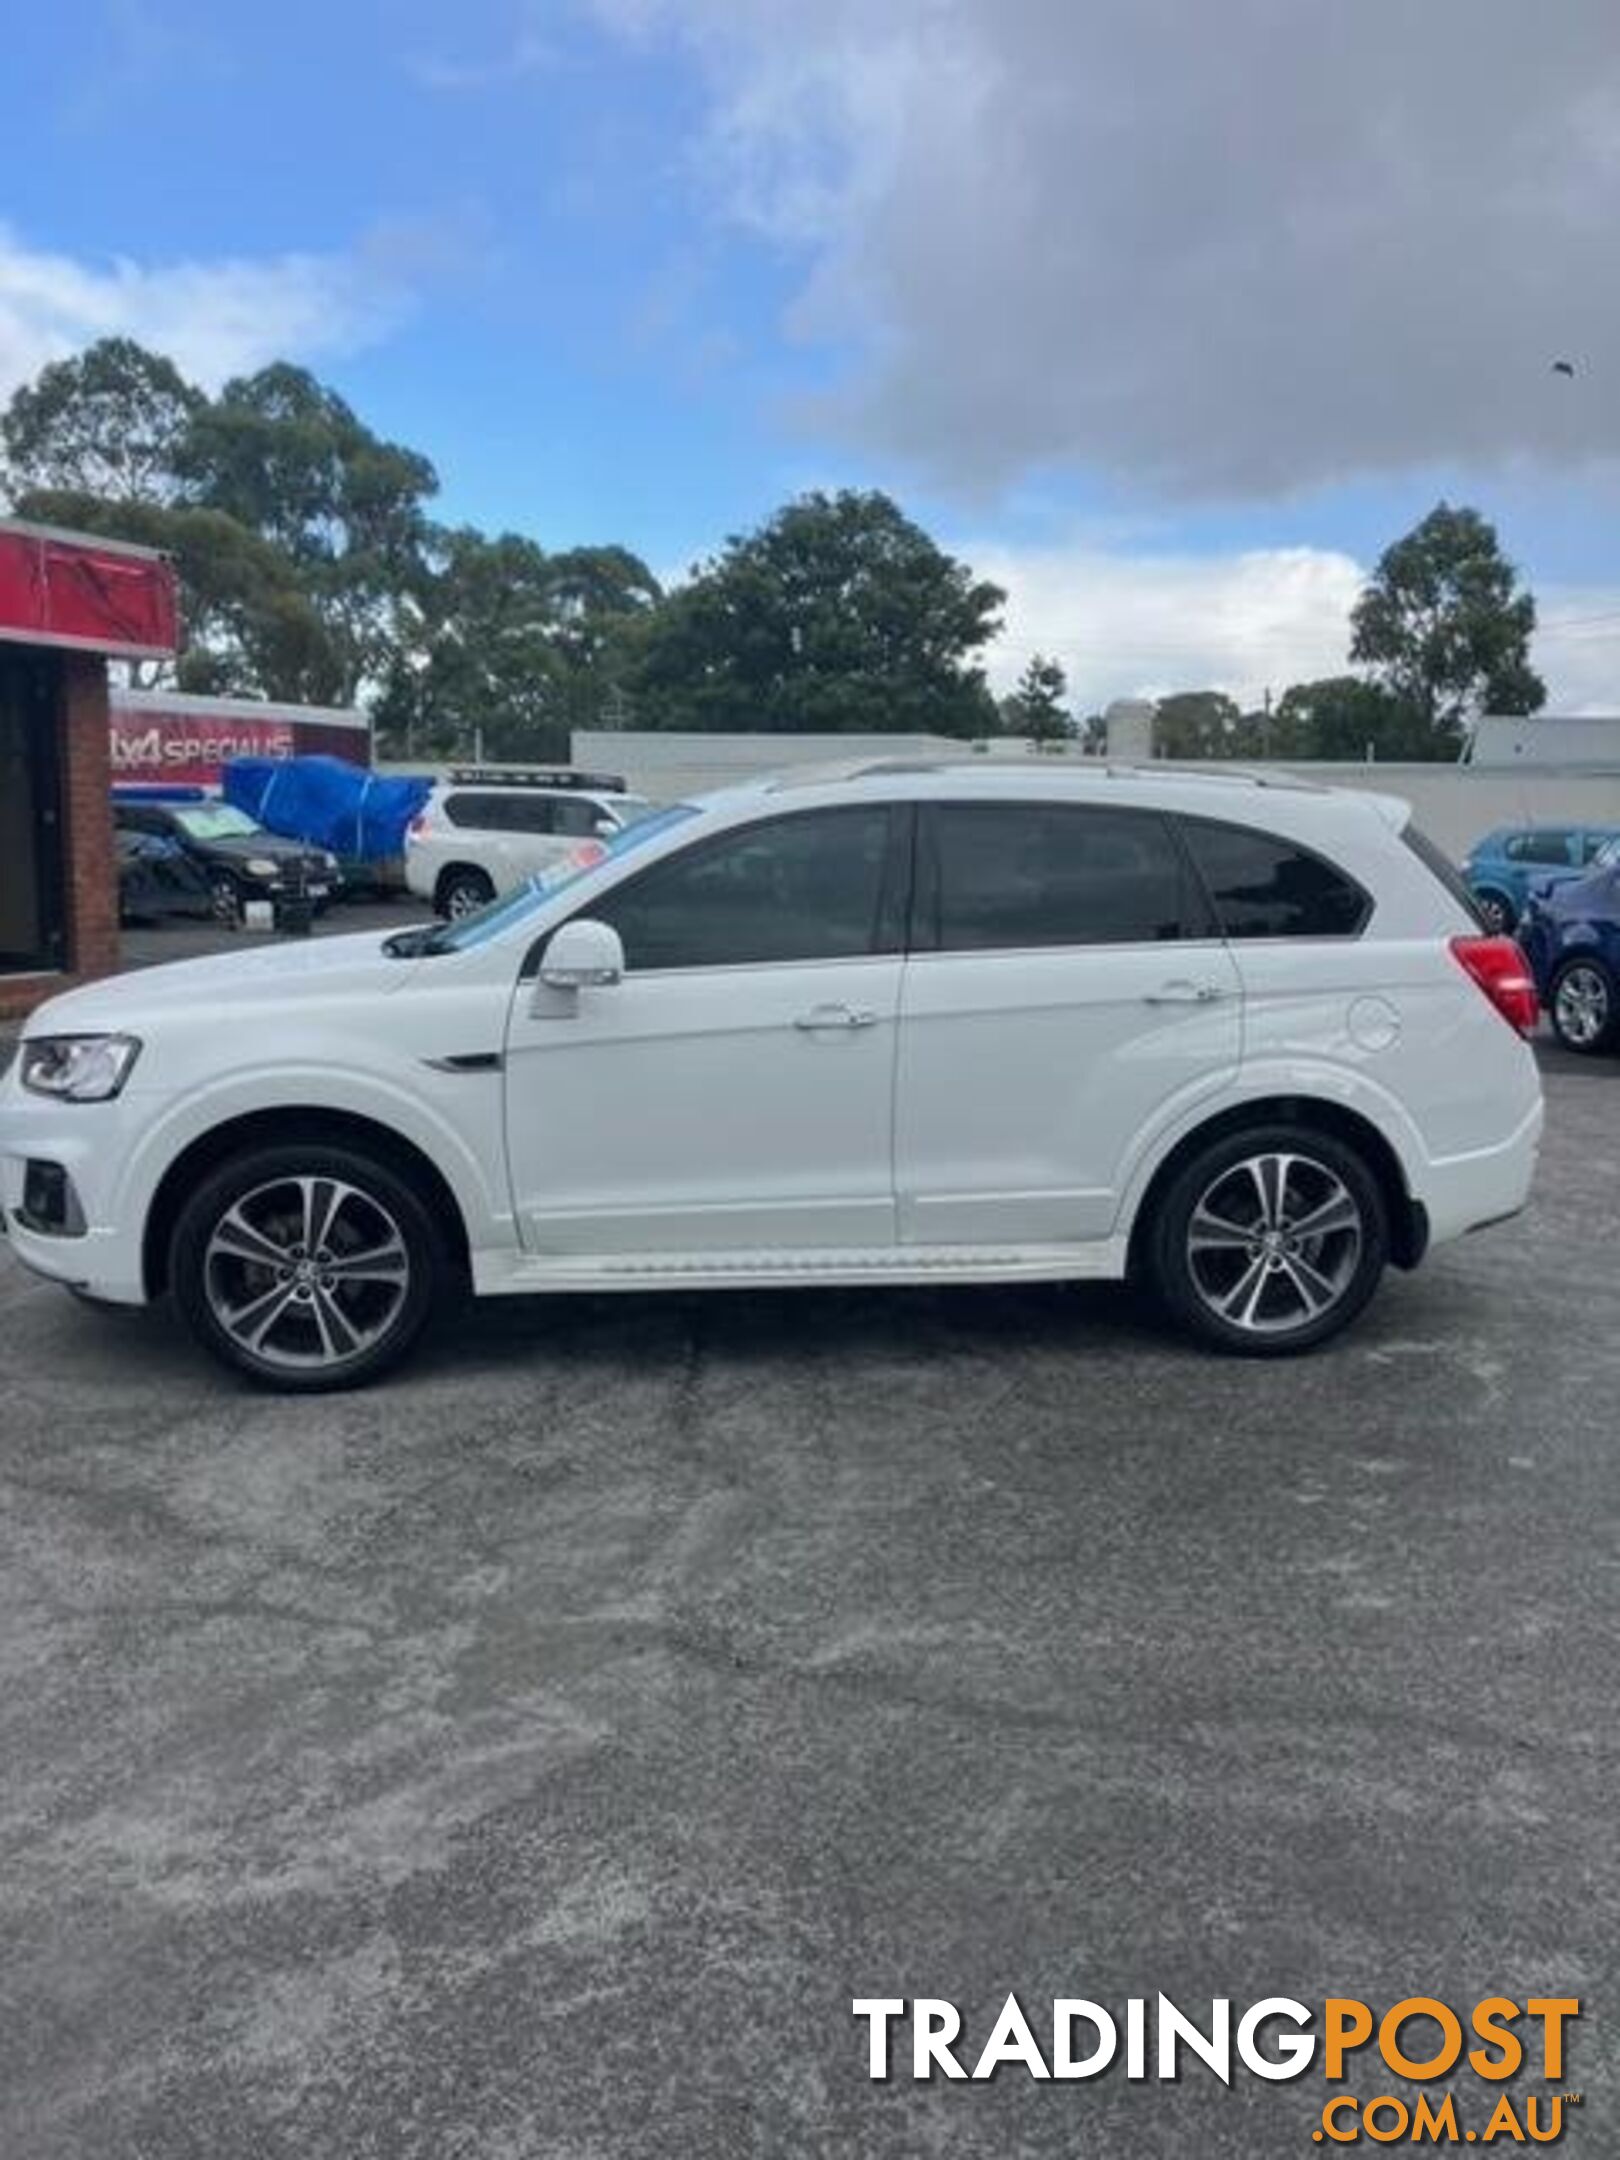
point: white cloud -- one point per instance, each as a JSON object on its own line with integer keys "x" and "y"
{"x": 212, "y": 318}
{"x": 1127, "y": 624}
{"x": 1240, "y": 249}
{"x": 1146, "y": 624}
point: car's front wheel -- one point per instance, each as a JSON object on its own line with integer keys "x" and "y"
{"x": 225, "y": 899}
{"x": 1269, "y": 1241}
{"x": 1584, "y": 1006}
{"x": 307, "y": 1266}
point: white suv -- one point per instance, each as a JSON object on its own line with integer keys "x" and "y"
{"x": 926, "y": 1023}
{"x": 486, "y": 829}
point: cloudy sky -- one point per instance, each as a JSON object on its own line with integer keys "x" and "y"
{"x": 1168, "y": 315}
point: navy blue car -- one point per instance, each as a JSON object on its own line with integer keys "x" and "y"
{"x": 1570, "y": 933}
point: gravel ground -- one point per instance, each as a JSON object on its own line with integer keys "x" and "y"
{"x": 535, "y": 1756}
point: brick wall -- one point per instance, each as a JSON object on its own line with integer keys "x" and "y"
{"x": 90, "y": 882}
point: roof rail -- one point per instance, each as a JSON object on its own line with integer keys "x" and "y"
{"x": 551, "y": 776}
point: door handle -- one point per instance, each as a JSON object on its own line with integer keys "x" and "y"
{"x": 1185, "y": 993}
{"x": 821, "y": 1017}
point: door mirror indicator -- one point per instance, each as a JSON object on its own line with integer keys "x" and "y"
{"x": 583, "y": 955}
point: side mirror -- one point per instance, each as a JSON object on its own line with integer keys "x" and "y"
{"x": 583, "y": 955}
{"x": 605, "y": 829}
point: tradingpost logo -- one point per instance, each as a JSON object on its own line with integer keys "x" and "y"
{"x": 1481, "y": 2046}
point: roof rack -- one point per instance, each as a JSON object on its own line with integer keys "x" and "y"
{"x": 552, "y": 776}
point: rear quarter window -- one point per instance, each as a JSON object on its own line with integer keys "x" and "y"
{"x": 1264, "y": 886}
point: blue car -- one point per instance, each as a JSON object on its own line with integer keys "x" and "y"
{"x": 1570, "y": 934}
{"x": 1502, "y": 868}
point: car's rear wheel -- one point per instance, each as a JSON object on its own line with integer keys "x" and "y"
{"x": 462, "y": 893}
{"x": 1584, "y": 1006}
{"x": 1269, "y": 1241}
{"x": 307, "y": 1267}
{"x": 1496, "y": 911}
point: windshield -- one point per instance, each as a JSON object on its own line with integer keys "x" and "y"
{"x": 216, "y": 821}
{"x": 511, "y": 907}
{"x": 633, "y": 809}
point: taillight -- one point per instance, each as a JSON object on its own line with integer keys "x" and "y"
{"x": 417, "y": 827}
{"x": 1498, "y": 966}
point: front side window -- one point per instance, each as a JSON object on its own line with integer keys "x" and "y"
{"x": 574, "y": 816}
{"x": 808, "y": 887}
{"x": 1019, "y": 875}
{"x": 1264, "y": 886}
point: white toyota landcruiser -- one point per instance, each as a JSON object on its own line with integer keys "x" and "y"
{"x": 486, "y": 829}
{"x": 909, "y": 1023}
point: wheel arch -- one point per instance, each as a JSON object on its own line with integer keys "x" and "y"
{"x": 276, "y": 1127}
{"x": 1408, "y": 1218}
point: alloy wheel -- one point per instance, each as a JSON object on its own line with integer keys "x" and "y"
{"x": 1274, "y": 1243}
{"x": 1495, "y": 913}
{"x": 1582, "y": 1005}
{"x": 304, "y": 1273}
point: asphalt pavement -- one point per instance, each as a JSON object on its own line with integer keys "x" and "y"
{"x": 536, "y": 1755}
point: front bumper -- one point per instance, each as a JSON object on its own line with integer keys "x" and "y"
{"x": 88, "y": 1141}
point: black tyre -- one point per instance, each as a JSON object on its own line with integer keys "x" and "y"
{"x": 1584, "y": 1006}
{"x": 224, "y": 898}
{"x": 306, "y": 1266}
{"x": 1497, "y": 912}
{"x": 462, "y": 892}
{"x": 1269, "y": 1241}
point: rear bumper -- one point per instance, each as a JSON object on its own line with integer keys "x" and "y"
{"x": 1467, "y": 1192}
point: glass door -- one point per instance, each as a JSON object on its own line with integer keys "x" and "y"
{"x": 31, "y": 868}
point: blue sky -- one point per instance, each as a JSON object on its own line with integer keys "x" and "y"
{"x": 1168, "y": 322}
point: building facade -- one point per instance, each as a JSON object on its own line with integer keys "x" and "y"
{"x": 67, "y": 604}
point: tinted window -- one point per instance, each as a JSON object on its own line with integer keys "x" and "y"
{"x": 1266, "y": 887}
{"x": 1593, "y": 845}
{"x": 574, "y": 816}
{"x": 1539, "y": 847}
{"x": 498, "y": 813}
{"x": 797, "y": 888}
{"x": 1014, "y": 875}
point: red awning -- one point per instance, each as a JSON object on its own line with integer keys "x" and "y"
{"x": 61, "y": 588}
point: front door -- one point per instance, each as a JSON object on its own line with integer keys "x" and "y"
{"x": 734, "y": 1092}
{"x": 31, "y": 913}
{"x": 1066, "y": 997}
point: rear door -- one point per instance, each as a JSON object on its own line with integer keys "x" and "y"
{"x": 1065, "y": 995}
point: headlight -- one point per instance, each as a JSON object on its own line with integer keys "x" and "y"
{"x": 78, "y": 1068}
{"x": 261, "y": 866}
{"x": 330, "y": 861}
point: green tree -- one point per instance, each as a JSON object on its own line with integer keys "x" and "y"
{"x": 1036, "y": 709}
{"x": 112, "y": 423}
{"x": 1197, "y": 724}
{"x": 838, "y": 614}
{"x": 285, "y": 457}
{"x": 512, "y": 647}
{"x": 1344, "y": 716}
{"x": 1444, "y": 626}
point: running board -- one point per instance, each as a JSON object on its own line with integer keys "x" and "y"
{"x": 497, "y": 1274}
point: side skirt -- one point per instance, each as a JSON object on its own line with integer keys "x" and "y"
{"x": 502, "y": 1274}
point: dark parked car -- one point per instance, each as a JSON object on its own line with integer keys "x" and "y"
{"x": 1570, "y": 933}
{"x": 156, "y": 878}
{"x": 238, "y": 860}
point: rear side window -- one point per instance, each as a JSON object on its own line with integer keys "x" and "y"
{"x": 499, "y": 812}
{"x": 1435, "y": 859}
{"x": 1263, "y": 886}
{"x": 1019, "y": 875}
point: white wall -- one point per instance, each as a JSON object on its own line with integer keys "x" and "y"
{"x": 1455, "y": 804}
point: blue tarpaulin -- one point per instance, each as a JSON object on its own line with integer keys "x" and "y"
{"x": 359, "y": 815}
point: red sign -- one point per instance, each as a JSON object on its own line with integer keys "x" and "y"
{"x": 58, "y": 589}
{"x": 191, "y": 748}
